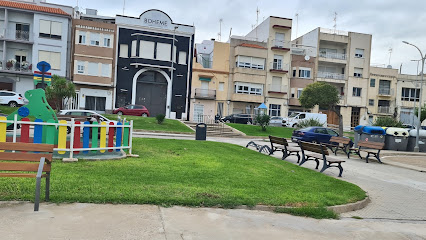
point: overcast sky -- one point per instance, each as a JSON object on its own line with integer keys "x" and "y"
{"x": 389, "y": 21}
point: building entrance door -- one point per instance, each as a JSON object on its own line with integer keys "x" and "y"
{"x": 198, "y": 113}
{"x": 355, "y": 116}
{"x": 151, "y": 91}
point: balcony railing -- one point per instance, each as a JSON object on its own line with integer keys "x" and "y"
{"x": 330, "y": 75}
{"x": 275, "y": 66}
{"x": 384, "y": 110}
{"x": 22, "y": 35}
{"x": 339, "y": 56}
{"x": 280, "y": 44}
{"x": 16, "y": 67}
{"x": 277, "y": 88}
{"x": 385, "y": 91}
{"x": 18, "y": 35}
{"x": 205, "y": 93}
{"x": 2, "y": 32}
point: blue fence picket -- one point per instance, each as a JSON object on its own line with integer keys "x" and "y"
{"x": 86, "y": 136}
{"x": 118, "y": 136}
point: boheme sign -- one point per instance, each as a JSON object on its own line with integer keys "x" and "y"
{"x": 156, "y": 18}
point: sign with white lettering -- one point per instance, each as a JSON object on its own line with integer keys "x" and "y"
{"x": 157, "y": 19}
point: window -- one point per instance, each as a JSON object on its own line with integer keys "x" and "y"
{"x": 294, "y": 72}
{"x": 221, "y": 86}
{"x": 146, "y": 49}
{"x": 276, "y": 83}
{"x": 304, "y": 72}
{"x": 358, "y": 72}
{"x": 80, "y": 67}
{"x": 106, "y": 70}
{"x": 54, "y": 58}
{"x": 279, "y": 40}
{"x": 95, "y": 103}
{"x": 292, "y": 90}
{"x": 410, "y": 94}
{"x": 94, "y": 39}
{"x": 356, "y": 92}
{"x": 371, "y": 102}
{"x": 359, "y": 52}
{"x": 93, "y": 69}
{"x": 50, "y": 29}
{"x": 249, "y": 88}
{"x": 384, "y": 87}
{"x": 251, "y": 62}
{"x": 274, "y": 110}
{"x": 299, "y": 92}
{"x": 82, "y": 37}
{"x": 22, "y": 32}
{"x": 278, "y": 62}
{"x": 164, "y": 51}
{"x": 182, "y": 57}
{"x": 372, "y": 82}
{"x": 134, "y": 46}
{"x": 124, "y": 50}
{"x": 107, "y": 40}
{"x": 331, "y": 132}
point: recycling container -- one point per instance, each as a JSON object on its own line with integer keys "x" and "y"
{"x": 412, "y": 140}
{"x": 201, "y": 131}
{"x": 396, "y": 139}
{"x": 369, "y": 133}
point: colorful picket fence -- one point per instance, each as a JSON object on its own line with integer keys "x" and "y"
{"x": 104, "y": 137}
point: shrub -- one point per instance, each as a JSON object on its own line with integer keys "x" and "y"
{"x": 313, "y": 122}
{"x": 387, "y": 122}
{"x": 263, "y": 121}
{"x": 160, "y": 118}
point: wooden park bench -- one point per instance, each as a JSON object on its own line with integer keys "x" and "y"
{"x": 337, "y": 143}
{"x": 317, "y": 152}
{"x": 31, "y": 161}
{"x": 371, "y": 148}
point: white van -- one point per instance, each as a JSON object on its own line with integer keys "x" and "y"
{"x": 294, "y": 118}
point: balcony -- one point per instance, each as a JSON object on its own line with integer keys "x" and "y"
{"x": 279, "y": 89}
{"x": 205, "y": 94}
{"x": 17, "y": 35}
{"x": 280, "y": 45}
{"x": 17, "y": 67}
{"x": 243, "y": 97}
{"x": 329, "y": 55}
{"x": 334, "y": 76}
{"x": 384, "y": 110}
{"x": 386, "y": 92}
{"x": 278, "y": 67}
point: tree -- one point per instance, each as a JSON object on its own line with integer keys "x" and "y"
{"x": 59, "y": 90}
{"x": 263, "y": 121}
{"x": 325, "y": 96}
{"x": 422, "y": 113}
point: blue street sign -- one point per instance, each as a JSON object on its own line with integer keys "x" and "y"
{"x": 43, "y": 66}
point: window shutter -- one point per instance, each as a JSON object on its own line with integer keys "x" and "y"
{"x": 163, "y": 51}
{"x": 146, "y": 49}
{"x": 56, "y": 28}
{"x": 44, "y": 26}
{"x": 182, "y": 57}
{"x": 124, "y": 50}
{"x": 55, "y": 60}
{"x": 134, "y": 44}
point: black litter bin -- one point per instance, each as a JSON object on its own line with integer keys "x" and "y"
{"x": 201, "y": 131}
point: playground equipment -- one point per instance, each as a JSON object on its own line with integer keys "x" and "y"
{"x": 46, "y": 129}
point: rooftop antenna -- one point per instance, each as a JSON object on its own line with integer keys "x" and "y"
{"x": 219, "y": 35}
{"x": 335, "y": 22}
{"x": 124, "y": 5}
{"x": 230, "y": 32}
{"x": 297, "y": 23}
{"x": 390, "y": 54}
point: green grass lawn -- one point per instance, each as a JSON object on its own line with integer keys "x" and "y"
{"x": 7, "y": 110}
{"x": 252, "y": 130}
{"x": 150, "y": 123}
{"x": 189, "y": 173}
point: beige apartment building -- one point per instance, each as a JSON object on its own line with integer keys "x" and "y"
{"x": 210, "y": 75}
{"x": 343, "y": 60}
{"x": 93, "y": 61}
{"x": 408, "y": 97}
{"x": 382, "y": 90}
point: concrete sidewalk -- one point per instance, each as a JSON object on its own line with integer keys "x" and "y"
{"x": 105, "y": 221}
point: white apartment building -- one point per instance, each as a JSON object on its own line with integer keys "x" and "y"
{"x": 31, "y": 32}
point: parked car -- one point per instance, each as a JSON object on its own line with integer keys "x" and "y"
{"x": 314, "y": 134}
{"x": 294, "y": 119}
{"x": 12, "y": 99}
{"x": 276, "y": 121}
{"x": 238, "y": 118}
{"x": 134, "y": 110}
{"x": 82, "y": 115}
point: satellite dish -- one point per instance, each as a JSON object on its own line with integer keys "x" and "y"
{"x": 307, "y": 58}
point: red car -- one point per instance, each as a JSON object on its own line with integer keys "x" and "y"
{"x": 135, "y": 110}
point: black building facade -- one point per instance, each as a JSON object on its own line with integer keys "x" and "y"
{"x": 154, "y": 63}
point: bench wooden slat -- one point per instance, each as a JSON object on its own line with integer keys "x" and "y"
{"x": 24, "y": 175}
{"x": 27, "y": 147}
{"x": 25, "y": 167}
{"x": 312, "y": 147}
{"x": 375, "y": 145}
{"x": 340, "y": 140}
{"x": 278, "y": 140}
{"x": 30, "y": 157}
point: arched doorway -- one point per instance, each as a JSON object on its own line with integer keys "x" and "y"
{"x": 151, "y": 91}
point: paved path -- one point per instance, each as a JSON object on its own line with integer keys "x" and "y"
{"x": 97, "y": 221}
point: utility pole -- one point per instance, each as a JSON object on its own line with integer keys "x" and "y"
{"x": 220, "y": 29}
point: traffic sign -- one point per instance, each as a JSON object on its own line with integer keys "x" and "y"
{"x": 43, "y": 66}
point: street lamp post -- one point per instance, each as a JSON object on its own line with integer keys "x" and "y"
{"x": 416, "y": 148}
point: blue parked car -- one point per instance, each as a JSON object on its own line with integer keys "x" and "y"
{"x": 314, "y": 134}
